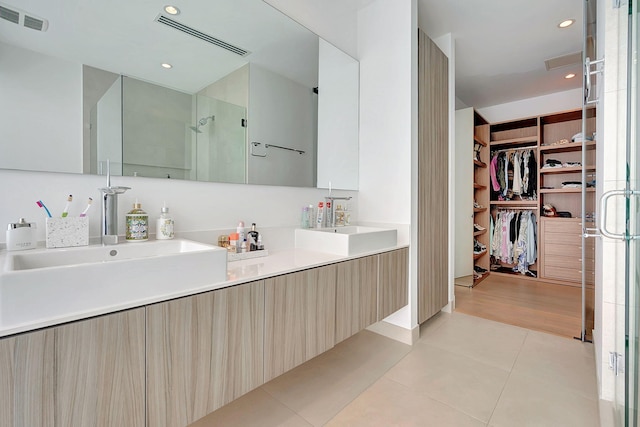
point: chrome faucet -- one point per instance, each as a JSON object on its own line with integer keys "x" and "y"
{"x": 110, "y": 210}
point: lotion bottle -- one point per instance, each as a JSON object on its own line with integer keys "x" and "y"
{"x": 137, "y": 224}
{"x": 319, "y": 218}
{"x": 21, "y": 235}
{"x": 164, "y": 225}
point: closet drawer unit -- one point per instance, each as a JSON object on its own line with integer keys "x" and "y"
{"x": 568, "y": 274}
{"x": 570, "y": 262}
{"x": 574, "y": 250}
{"x": 572, "y": 239}
{"x": 562, "y": 226}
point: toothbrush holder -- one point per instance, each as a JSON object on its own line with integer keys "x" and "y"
{"x": 67, "y": 232}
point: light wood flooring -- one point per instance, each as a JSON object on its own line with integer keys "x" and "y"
{"x": 526, "y": 303}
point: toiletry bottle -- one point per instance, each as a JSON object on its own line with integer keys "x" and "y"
{"x": 312, "y": 217}
{"x": 319, "y": 218}
{"x": 21, "y": 235}
{"x": 329, "y": 215}
{"x": 304, "y": 217}
{"x": 164, "y": 228}
{"x": 233, "y": 243}
{"x": 243, "y": 246}
{"x": 241, "y": 235}
{"x": 260, "y": 245}
{"x": 137, "y": 224}
{"x": 254, "y": 235}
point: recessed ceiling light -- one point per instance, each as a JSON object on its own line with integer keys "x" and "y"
{"x": 166, "y": 65}
{"x": 566, "y": 23}
{"x": 172, "y": 10}
{"x": 569, "y": 76}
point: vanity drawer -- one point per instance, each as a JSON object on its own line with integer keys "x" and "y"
{"x": 562, "y": 226}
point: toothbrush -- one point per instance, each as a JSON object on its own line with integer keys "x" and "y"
{"x": 65, "y": 212}
{"x": 39, "y": 203}
{"x": 84, "y": 212}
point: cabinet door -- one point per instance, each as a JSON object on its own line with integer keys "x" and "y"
{"x": 356, "y": 296}
{"x": 27, "y": 380}
{"x": 300, "y": 314}
{"x": 393, "y": 286}
{"x": 100, "y": 371}
{"x": 203, "y": 351}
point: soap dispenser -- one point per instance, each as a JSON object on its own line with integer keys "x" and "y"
{"x": 137, "y": 224}
{"x": 164, "y": 229}
{"x": 21, "y": 235}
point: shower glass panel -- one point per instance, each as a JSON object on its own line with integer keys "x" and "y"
{"x": 221, "y": 141}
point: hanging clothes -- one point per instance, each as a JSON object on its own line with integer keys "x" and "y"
{"x": 513, "y": 239}
{"x": 513, "y": 175}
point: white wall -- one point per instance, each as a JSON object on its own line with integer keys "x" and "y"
{"x": 388, "y": 122}
{"x": 40, "y": 111}
{"x": 559, "y": 101}
{"x": 338, "y": 115}
{"x": 195, "y": 206}
{"x": 281, "y": 112}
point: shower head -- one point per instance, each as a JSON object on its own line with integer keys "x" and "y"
{"x": 203, "y": 121}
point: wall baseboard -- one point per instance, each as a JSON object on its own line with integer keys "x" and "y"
{"x": 405, "y": 336}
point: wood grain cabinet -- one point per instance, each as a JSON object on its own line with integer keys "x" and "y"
{"x": 203, "y": 352}
{"x": 393, "y": 286}
{"x": 27, "y": 380}
{"x": 356, "y": 296}
{"x": 87, "y": 373}
{"x": 300, "y": 316}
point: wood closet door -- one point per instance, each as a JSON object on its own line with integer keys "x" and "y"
{"x": 433, "y": 210}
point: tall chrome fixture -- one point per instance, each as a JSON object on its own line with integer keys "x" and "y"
{"x": 110, "y": 210}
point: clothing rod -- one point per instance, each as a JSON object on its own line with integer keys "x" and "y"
{"x": 514, "y": 149}
{"x": 511, "y": 208}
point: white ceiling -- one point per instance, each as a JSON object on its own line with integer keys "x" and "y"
{"x": 122, "y": 36}
{"x": 501, "y": 45}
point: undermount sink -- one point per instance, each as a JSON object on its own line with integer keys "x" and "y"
{"x": 49, "y": 283}
{"x": 347, "y": 241}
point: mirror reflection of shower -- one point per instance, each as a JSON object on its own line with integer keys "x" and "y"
{"x": 203, "y": 121}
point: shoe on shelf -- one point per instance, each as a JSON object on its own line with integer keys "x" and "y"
{"x": 479, "y": 270}
{"x": 478, "y": 227}
{"x": 477, "y": 205}
{"x": 478, "y": 247}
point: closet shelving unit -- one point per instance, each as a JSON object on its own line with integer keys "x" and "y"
{"x": 481, "y": 193}
{"x": 559, "y": 242}
{"x": 515, "y": 135}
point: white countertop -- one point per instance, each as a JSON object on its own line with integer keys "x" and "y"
{"x": 238, "y": 272}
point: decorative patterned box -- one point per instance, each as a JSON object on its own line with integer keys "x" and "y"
{"x": 67, "y": 232}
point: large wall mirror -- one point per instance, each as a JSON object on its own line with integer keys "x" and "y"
{"x": 248, "y": 95}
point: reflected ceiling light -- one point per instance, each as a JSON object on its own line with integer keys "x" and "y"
{"x": 569, "y": 76}
{"x": 172, "y": 10}
{"x": 566, "y": 23}
{"x": 166, "y": 65}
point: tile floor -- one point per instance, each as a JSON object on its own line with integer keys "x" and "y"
{"x": 464, "y": 371}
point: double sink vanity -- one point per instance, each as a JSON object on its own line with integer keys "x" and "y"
{"x": 162, "y": 333}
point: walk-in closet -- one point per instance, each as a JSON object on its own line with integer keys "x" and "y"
{"x": 523, "y": 213}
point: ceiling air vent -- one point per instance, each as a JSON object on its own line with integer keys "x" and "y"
{"x": 563, "y": 61}
{"x": 21, "y": 17}
{"x": 199, "y": 34}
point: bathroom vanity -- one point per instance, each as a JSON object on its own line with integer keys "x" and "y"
{"x": 171, "y": 362}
